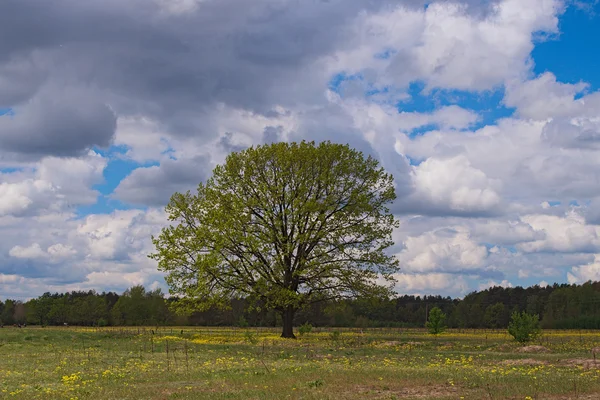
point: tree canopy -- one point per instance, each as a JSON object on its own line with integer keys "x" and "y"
{"x": 287, "y": 225}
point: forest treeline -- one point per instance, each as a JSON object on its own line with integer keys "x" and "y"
{"x": 560, "y": 306}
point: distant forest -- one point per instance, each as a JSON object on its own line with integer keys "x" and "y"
{"x": 560, "y": 306}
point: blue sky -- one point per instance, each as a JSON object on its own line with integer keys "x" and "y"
{"x": 479, "y": 112}
{"x": 573, "y": 56}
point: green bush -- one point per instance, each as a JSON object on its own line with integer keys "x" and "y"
{"x": 524, "y": 327}
{"x": 435, "y": 323}
{"x": 250, "y": 337}
{"x": 242, "y": 322}
{"x": 316, "y": 384}
{"x": 305, "y": 328}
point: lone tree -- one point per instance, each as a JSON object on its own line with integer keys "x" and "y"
{"x": 524, "y": 327}
{"x": 283, "y": 225}
{"x": 435, "y": 322}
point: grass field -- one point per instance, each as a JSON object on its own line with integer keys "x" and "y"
{"x": 213, "y": 363}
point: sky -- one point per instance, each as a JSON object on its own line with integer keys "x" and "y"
{"x": 487, "y": 113}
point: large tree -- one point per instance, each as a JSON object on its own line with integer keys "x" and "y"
{"x": 284, "y": 225}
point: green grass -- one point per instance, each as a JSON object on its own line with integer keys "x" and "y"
{"x": 228, "y": 363}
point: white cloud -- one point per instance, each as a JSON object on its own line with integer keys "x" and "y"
{"x": 116, "y": 279}
{"x": 115, "y": 236}
{"x": 543, "y": 97}
{"x": 577, "y": 133}
{"x": 491, "y": 283}
{"x": 33, "y": 251}
{"x": 61, "y": 251}
{"x": 505, "y": 232}
{"x": 443, "y": 250}
{"x": 584, "y": 273}
{"x": 53, "y": 184}
{"x": 562, "y": 234}
{"x": 17, "y": 198}
{"x": 9, "y": 279}
{"x": 142, "y": 137}
{"x": 454, "y": 184}
{"x": 447, "y": 47}
{"x": 56, "y": 253}
{"x": 517, "y": 154}
{"x": 387, "y": 120}
{"x": 431, "y": 283}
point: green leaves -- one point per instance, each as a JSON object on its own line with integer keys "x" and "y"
{"x": 287, "y": 224}
{"x": 524, "y": 327}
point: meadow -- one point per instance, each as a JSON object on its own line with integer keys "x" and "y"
{"x": 236, "y": 363}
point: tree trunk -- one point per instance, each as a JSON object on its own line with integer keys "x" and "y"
{"x": 288, "y": 323}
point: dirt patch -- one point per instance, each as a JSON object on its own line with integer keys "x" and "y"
{"x": 585, "y": 363}
{"x": 525, "y": 361}
{"x": 413, "y": 392}
{"x": 391, "y": 343}
{"x": 322, "y": 356}
{"x": 533, "y": 349}
{"x": 504, "y": 348}
{"x": 596, "y": 350}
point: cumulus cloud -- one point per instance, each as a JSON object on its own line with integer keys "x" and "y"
{"x": 505, "y": 232}
{"x": 444, "y": 250}
{"x": 562, "y": 234}
{"x": 183, "y": 57}
{"x": 64, "y": 122}
{"x": 376, "y": 117}
{"x": 57, "y": 252}
{"x": 515, "y": 153}
{"x": 453, "y": 185}
{"x": 143, "y": 138}
{"x": 583, "y": 273}
{"x": 491, "y": 284}
{"x": 116, "y": 236}
{"x": 543, "y": 97}
{"x": 53, "y": 184}
{"x": 155, "y": 185}
{"x": 431, "y": 283}
{"x": 578, "y": 133}
{"x": 447, "y": 47}
{"x": 33, "y": 251}
{"x": 17, "y": 198}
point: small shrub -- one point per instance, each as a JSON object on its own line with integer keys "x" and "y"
{"x": 435, "y": 323}
{"x": 524, "y": 327}
{"x": 250, "y": 337}
{"x": 362, "y": 322}
{"x": 335, "y": 336}
{"x": 305, "y": 328}
{"x": 242, "y": 322}
{"x": 315, "y": 384}
{"x": 102, "y": 322}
